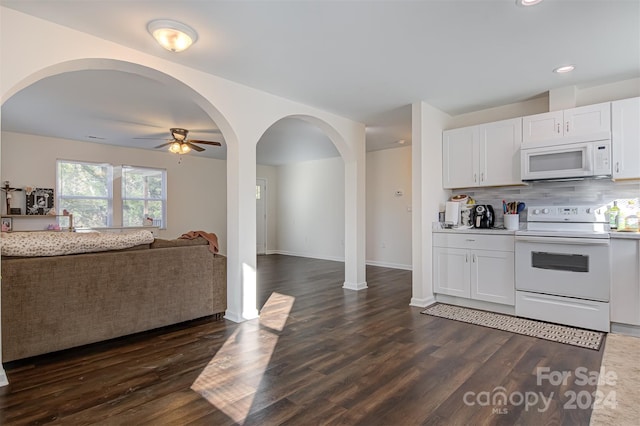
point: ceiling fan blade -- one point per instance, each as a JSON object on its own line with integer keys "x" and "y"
{"x": 155, "y": 139}
{"x": 164, "y": 144}
{"x": 194, "y": 147}
{"x": 205, "y": 142}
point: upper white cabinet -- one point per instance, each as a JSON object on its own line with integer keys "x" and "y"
{"x": 625, "y": 138}
{"x": 500, "y": 152}
{"x": 460, "y": 153}
{"x": 483, "y": 155}
{"x": 592, "y": 121}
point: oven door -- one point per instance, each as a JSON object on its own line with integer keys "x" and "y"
{"x": 572, "y": 267}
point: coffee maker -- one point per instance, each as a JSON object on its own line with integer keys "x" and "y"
{"x": 483, "y": 216}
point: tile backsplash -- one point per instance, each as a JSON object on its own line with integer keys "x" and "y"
{"x": 590, "y": 191}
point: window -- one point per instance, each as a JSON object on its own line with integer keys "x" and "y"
{"x": 90, "y": 192}
{"x": 85, "y": 189}
{"x": 143, "y": 196}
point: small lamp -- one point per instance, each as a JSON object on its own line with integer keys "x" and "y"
{"x": 172, "y": 35}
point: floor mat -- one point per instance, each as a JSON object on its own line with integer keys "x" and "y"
{"x": 543, "y": 330}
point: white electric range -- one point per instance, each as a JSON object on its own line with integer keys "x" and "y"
{"x": 563, "y": 266}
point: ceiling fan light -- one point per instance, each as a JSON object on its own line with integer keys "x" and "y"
{"x": 184, "y": 148}
{"x": 175, "y": 148}
{"x": 172, "y": 35}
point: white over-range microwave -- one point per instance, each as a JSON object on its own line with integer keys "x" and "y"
{"x": 566, "y": 161}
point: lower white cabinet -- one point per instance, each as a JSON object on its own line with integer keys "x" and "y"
{"x": 474, "y": 266}
{"x": 625, "y": 282}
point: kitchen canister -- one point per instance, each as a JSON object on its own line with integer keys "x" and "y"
{"x": 512, "y": 221}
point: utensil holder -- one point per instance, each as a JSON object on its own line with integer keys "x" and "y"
{"x": 512, "y": 222}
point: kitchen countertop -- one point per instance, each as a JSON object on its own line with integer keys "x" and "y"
{"x": 489, "y": 231}
{"x": 501, "y": 231}
{"x": 625, "y": 235}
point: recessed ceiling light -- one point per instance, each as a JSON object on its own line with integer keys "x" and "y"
{"x": 172, "y": 35}
{"x": 527, "y": 2}
{"x": 564, "y": 69}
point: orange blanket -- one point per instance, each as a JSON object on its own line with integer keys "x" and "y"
{"x": 209, "y": 236}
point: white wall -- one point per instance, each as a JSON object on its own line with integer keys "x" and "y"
{"x": 33, "y": 49}
{"x": 388, "y": 215}
{"x": 310, "y": 205}
{"x": 270, "y": 174}
{"x": 196, "y": 188}
{"x": 428, "y": 195}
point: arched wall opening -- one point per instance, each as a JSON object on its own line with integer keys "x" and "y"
{"x": 72, "y": 150}
{"x": 304, "y": 162}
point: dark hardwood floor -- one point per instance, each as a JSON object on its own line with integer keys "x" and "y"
{"x": 317, "y": 355}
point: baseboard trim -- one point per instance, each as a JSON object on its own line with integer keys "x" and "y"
{"x": 626, "y": 329}
{"x": 422, "y": 303}
{"x": 477, "y": 304}
{"x": 355, "y": 286}
{"x": 4, "y": 381}
{"x": 389, "y": 265}
{"x": 233, "y": 316}
{"x": 307, "y": 255}
{"x": 341, "y": 259}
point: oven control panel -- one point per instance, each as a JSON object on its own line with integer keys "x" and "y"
{"x": 588, "y": 214}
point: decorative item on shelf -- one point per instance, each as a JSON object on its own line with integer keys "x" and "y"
{"x": 8, "y": 194}
{"x": 148, "y": 221}
{"x": 39, "y": 200}
{"x": 7, "y": 224}
{"x": 16, "y": 211}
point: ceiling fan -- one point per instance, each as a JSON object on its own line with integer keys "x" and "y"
{"x": 181, "y": 145}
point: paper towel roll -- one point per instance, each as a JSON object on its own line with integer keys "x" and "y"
{"x": 452, "y": 212}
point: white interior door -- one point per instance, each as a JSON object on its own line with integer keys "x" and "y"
{"x": 261, "y": 216}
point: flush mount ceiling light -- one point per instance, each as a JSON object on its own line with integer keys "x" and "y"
{"x": 527, "y": 2}
{"x": 172, "y": 35}
{"x": 564, "y": 69}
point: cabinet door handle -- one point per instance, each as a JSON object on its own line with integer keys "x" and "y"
{"x": 469, "y": 239}
{"x": 567, "y": 127}
{"x": 475, "y": 177}
{"x": 473, "y": 258}
{"x": 482, "y": 177}
{"x": 617, "y": 167}
{"x": 558, "y": 128}
{"x": 466, "y": 258}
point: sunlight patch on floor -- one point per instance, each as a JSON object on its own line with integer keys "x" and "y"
{"x": 232, "y": 377}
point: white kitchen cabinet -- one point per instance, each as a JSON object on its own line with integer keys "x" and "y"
{"x": 625, "y": 138}
{"x": 492, "y": 276}
{"x": 542, "y": 127}
{"x": 625, "y": 282}
{"x": 460, "y": 157}
{"x": 500, "y": 152}
{"x": 575, "y": 124}
{"x": 451, "y": 271}
{"x": 474, "y": 266}
{"x": 483, "y": 155}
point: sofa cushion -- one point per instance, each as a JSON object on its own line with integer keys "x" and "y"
{"x": 180, "y": 242}
{"x": 37, "y": 244}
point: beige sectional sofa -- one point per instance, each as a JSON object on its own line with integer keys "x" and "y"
{"x": 60, "y": 302}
